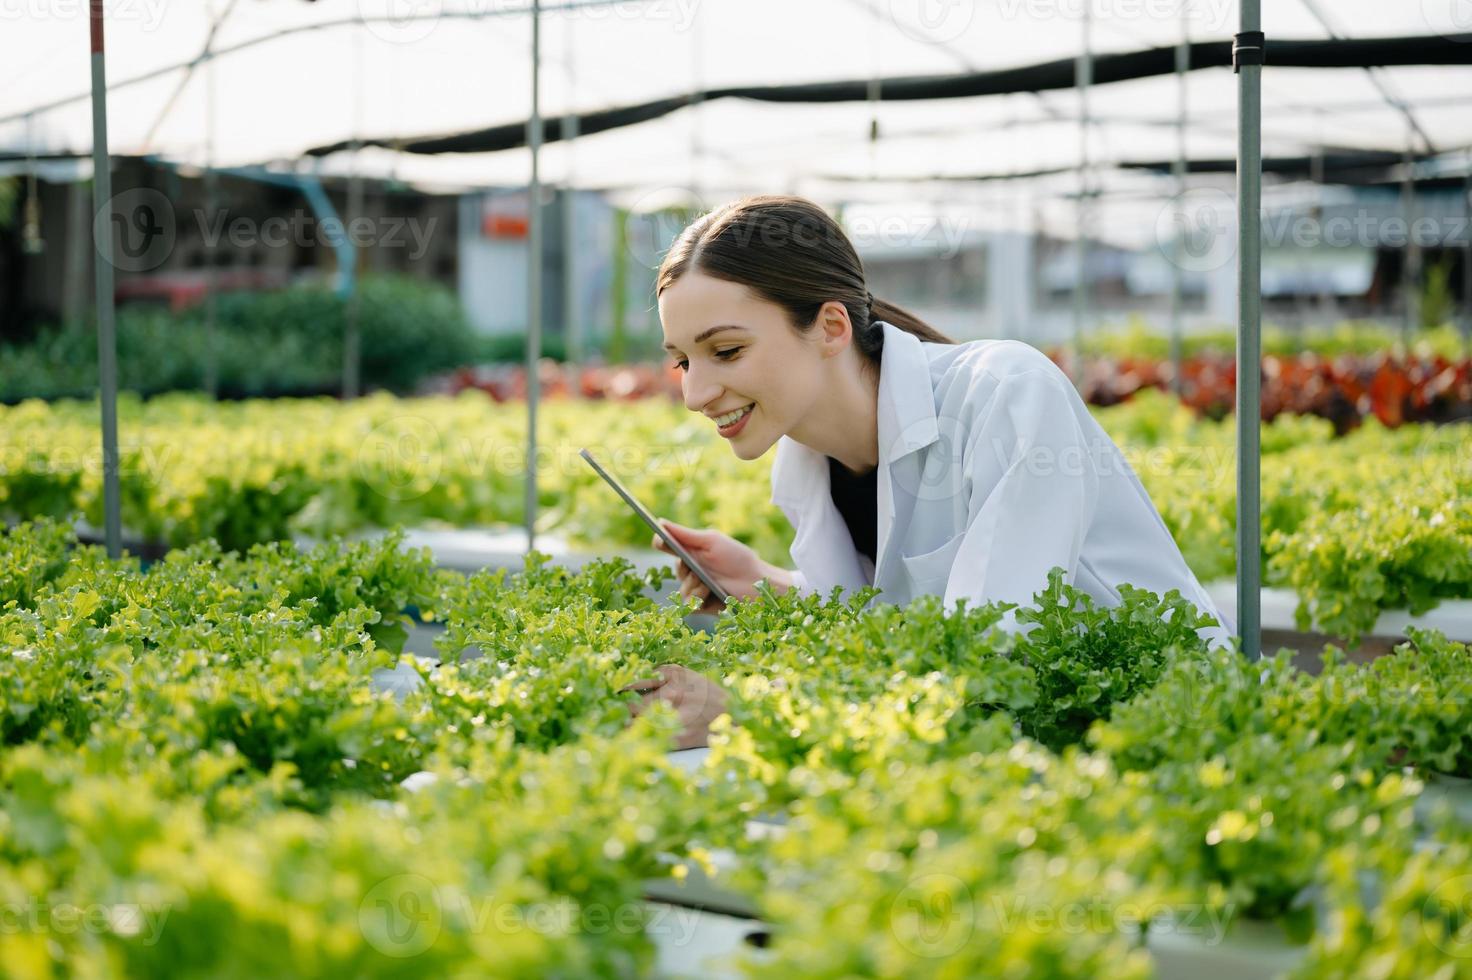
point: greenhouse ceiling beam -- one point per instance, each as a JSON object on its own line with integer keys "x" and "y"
{"x": 1347, "y": 169}
{"x": 490, "y": 11}
{"x": 217, "y": 21}
{"x": 1381, "y": 86}
{"x": 883, "y": 13}
{"x": 1052, "y": 75}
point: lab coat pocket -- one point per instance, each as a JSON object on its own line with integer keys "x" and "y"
{"x": 929, "y": 572}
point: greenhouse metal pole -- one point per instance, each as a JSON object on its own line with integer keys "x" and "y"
{"x": 352, "y": 340}
{"x": 352, "y": 334}
{"x": 1410, "y": 274}
{"x": 1084, "y": 76}
{"x": 572, "y": 328}
{"x": 211, "y": 203}
{"x": 534, "y": 280}
{"x": 1247, "y": 57}
{"x": 1183, "y": 65}
{"x": 107, "y": 349}
{"x": 1467, "y": 261}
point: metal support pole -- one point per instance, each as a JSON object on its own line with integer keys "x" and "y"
{"x": 572, "y": 327}
{"x": 1467, "y": 261}
{"x": 1084, "y": 77}
{"x": 1183, "y": 66}
{"x": 697, "y": 101}
{"x": 352, "y": 343}
{"x": 352, "y": 354}
{"x": 1248, "y": 51}
{"x": 211, "y": 202}
{"x": 1410, "y": 279}
{"x": 873, "y": 93}
{"x": 211, "y": 287}
{"x": 107, "y": 350}
{"x": 534, "y": 280}
{"x": 1317, "y": 175}
{"x": 31, "y": 242}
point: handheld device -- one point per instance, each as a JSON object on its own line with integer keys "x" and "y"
{"x": 710, "y": 583}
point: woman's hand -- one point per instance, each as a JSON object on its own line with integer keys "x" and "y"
{"x": 734, "y": 566}
{"x": 698, "y": 700}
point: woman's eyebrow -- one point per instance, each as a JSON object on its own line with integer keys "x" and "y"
{"x": 705, "y": 334}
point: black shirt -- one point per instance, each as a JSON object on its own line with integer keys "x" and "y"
{"x": 856, "y": 495}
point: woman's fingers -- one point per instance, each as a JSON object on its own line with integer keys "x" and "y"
{"x": 644, "y": 684}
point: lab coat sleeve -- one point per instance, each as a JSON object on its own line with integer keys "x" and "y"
{"x": 1032, "y": 490}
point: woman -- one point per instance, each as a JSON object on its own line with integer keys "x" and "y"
{"x": 904, "y": 460}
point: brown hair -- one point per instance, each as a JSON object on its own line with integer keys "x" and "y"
{"x": 790, "y": 252}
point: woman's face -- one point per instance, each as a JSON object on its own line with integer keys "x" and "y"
{"x": 738, "y": 350}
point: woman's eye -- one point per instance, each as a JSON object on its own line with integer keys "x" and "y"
{"x": 724, "y": 355}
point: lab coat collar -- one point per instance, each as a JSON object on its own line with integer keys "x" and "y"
{"x": 823, "y": 549}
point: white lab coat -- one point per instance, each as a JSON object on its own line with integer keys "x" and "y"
{"x": 991, "y": 472}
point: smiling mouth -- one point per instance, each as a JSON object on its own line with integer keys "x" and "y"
{"x": 731, "y": 418}
{"x": 732, "y": 422}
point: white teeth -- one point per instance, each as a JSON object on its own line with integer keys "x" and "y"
{"x": 725, "y": 420}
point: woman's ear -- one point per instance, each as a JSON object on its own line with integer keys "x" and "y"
{"x": 837, "y": 328}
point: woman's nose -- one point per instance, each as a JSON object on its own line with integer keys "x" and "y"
{"x": 698, "y": 391}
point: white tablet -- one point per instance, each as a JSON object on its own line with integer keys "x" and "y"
{"x": 648, "y": 518}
